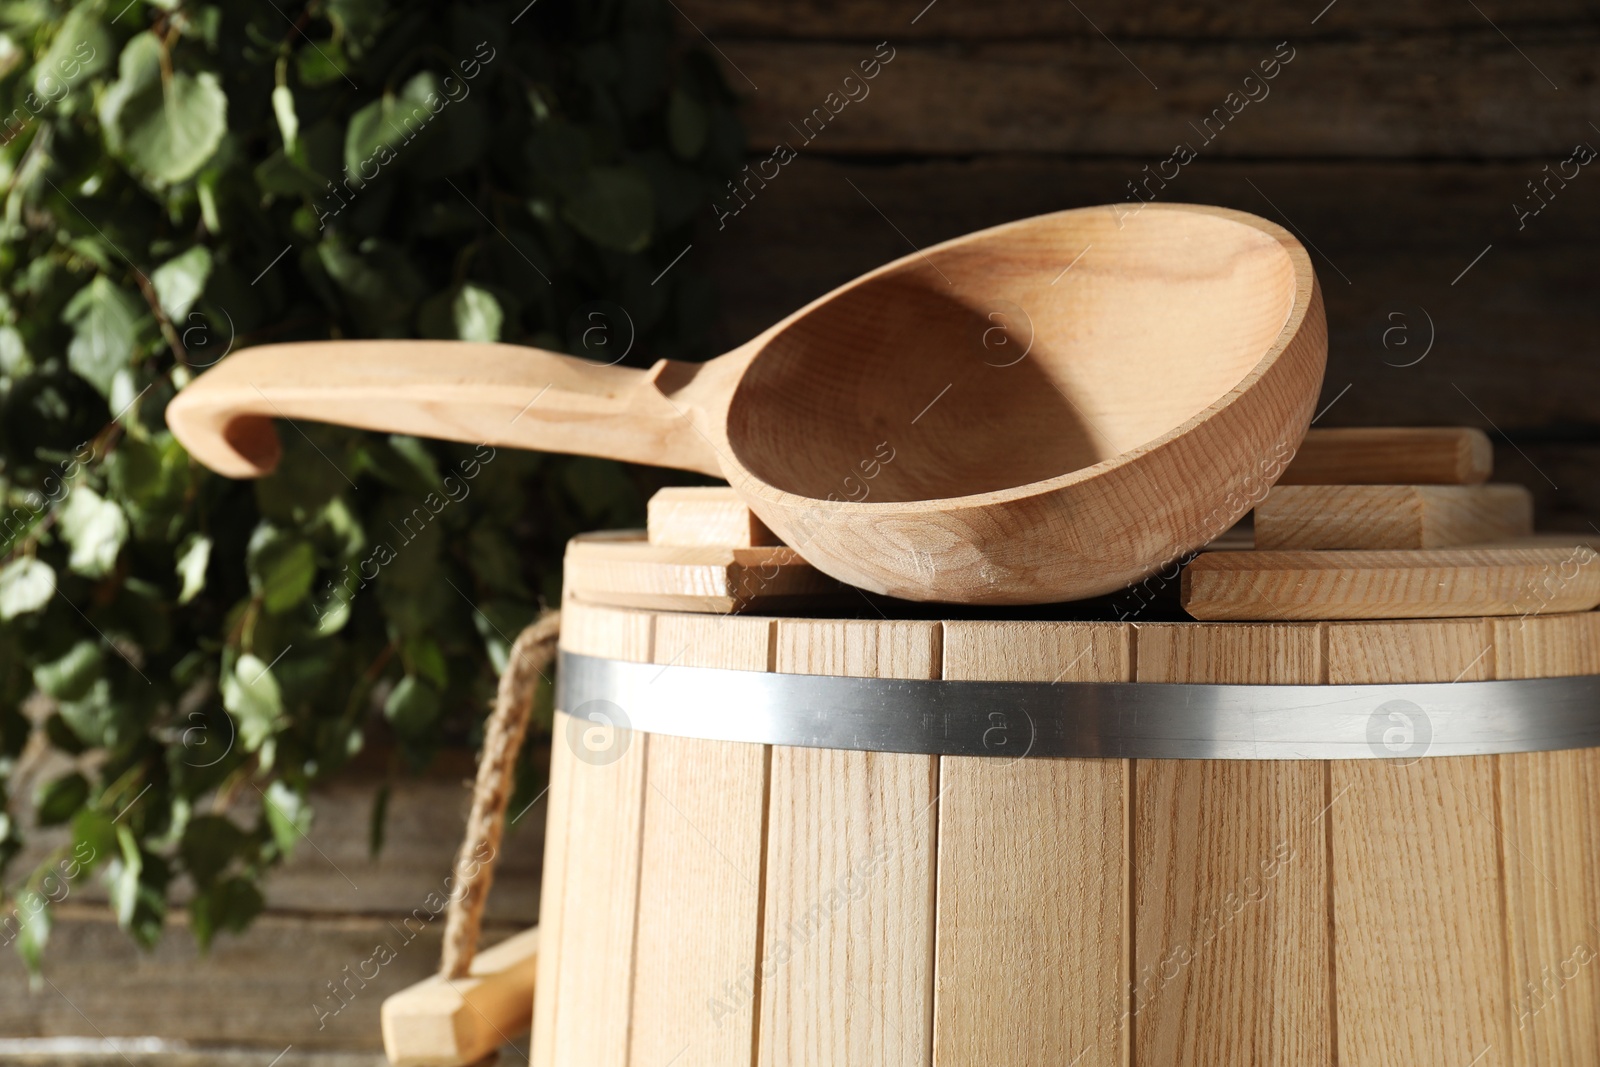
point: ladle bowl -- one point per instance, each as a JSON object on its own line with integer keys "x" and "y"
{"x": 1046, "y": 410}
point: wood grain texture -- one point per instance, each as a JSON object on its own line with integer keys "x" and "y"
{"x": 1019, "y": 491}
{"x": 22, "y": 1053}
{"x": 1033, "y": 921}
{"x": 847, "y": 933}
{"x": 1334, "y": 98}
{"x": 1232, "y": 653}
{"x": 289, "y": 979}
{"x": 701, "y": 869}
{"x": 488, "y": 394}
{"x": 605, "y": 787}
{"x": 624, "y": 570}
{"x": 1507, "y": 579}
{"x": 880, "y": 440}
{"x": 1163, "y": 911}
{"x": 1391, "y": 516}
{"x": 1550, "y": 851}
{"x": 425, "y": 816}
{"x": 1230, "y": 873}
{"x": 1419, "y": 920}
{"x": 456, "y": 1022}
{"x": 810, "y": 230}
{"x": 873, "y": 20}
{"x": 1392, "y": 455}
{"x": 823, "y": 233}
{"x": 552, "y": 905}
{"x": 425, "y": 819}
{"x": 594, "y": 979}
{"x": 705, "y": 515}
{"x": 616, "y": 633}
{"x": 817, "y": 227}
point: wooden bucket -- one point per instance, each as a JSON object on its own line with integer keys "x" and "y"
{"x": 715, "y": 902}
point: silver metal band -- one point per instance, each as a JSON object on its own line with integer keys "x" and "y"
{"x": 1137, "y": 720}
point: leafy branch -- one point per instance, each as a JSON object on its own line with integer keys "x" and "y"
{"x": 182, "y": 657}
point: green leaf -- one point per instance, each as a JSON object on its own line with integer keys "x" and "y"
{"x": 95, "y": 717}
{"x": 96, "y": 529}
{"x": 321, "y": 63}
{"x": 139, "y": 611}
{"x": 615, "y": 209}
{"x": 137, "y": 881}
{"x": 204, "y": 145}
{"x": 333, "y": 610}
{"x": 422, "y": 473}
{"x": 133, "y": 471}
{"x": 60, "y": 799}
{"x": 71, "y": 676}
{"x": 379, "y": 281}
{"x": 282, "y": 567}
{"x": 412, "y": 707}
{"x": 494, "y": 620}
{"x": 26, "y": 586}
{"x": 230, "y": 905}
{"x": 495, "y": 560}
{"x": 51, "y": 411}
{"x": 94, "y": 836}
{"x": 288, "y": 120}
{"x": 359, "y": 19}
{"x": 310, "y": 475}
{"x": 687, "y": 125}
{"x": 151, "y": 477}
{"x": 180, "y": 281}
{"x": 33, "y": 917}
{"x": 279, "y": 174}
{"x": 426, "y": 660}
{"x": 105, "y": 331}
{"x": 166, "y": 129}
{"x": 477, "y": 314}
{"x": 209, "y": 845}
{"x": 124, "y": 881}
{"x": 194, "y": 556}
{"x": 63, "y": 736}
{"x": 80, "y": 49}
{"x": 251, "y": 695}
{"x": 288, "y": 815}
{"x": 605, "y": 494}
{"x": 378, "y": 132}
{"x": 14, "y": 360}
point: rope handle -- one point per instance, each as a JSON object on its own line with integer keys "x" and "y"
{"x": 532, "y": 652}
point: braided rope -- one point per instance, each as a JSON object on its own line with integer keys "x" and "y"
{"x": 531, "y": 654}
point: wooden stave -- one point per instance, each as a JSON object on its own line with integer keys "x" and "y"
{"x": 1311, "y": 1018}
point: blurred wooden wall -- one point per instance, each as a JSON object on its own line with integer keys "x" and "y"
{"x": 300, "y": 988}
{"x": 1396, "y": 143}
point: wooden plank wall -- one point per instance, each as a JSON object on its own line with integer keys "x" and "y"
{"x": 308, "y": 972}
{"x": 1398, "y": 142}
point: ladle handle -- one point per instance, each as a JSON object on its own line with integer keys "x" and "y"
{"x": 503, "y": 395}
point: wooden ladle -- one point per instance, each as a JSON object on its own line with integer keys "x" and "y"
{"x": 1041, "y": 411}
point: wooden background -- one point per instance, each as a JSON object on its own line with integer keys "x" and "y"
{"x": 1395, "y": 144}
{"x": 256, "y": 997}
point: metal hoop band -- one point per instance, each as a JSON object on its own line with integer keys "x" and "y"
{"x": 1124, "y": 720}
